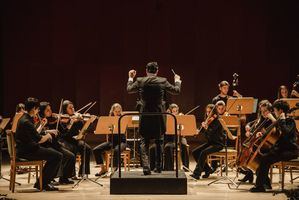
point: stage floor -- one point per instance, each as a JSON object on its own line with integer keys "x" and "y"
{"x": 87, "y": 190}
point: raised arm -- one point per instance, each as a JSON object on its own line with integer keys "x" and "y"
{"x": 176, "y": 88}
{"x": 132, "y": 87}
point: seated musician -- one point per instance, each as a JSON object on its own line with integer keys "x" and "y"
{"x": 169, "y": 141}
{"x": 20, "y": 108}
{"x": 67, "y": 168}
{"x": 70, "y": 129}
{"x": 285, "y": 148}
{"x": 283, "y": 92}
{"x": 213, "y": 131}
{"x": 223, "y": 96}
{"x": 265, "y": 108}
{"x": 98, "y": 151}
{"x": 28, "y": 145}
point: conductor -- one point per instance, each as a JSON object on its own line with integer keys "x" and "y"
{"x": 151, "y": 89}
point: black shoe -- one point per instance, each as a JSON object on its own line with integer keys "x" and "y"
{"x": 147, "y": 172}
{"x": 257, "y": 189}
{"x": 157, "y": 170}
{"x": 248, "y": 177}
{"x": 65, "y": 181}
{"x": 195, "y": 176}
{"x": 46, "y": 187}
{"x": 207, "y": 173}
{"x": 55, "y": 183}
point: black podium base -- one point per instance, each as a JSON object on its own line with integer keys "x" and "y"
{"x": 135, "y": 182}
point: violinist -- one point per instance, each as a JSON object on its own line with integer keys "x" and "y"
{"x": 223, "y": 96}
{"x": 112, "y": 142}
{"x": 28, "y": 145}
{"x": 285, "y": 148}
{"x": 70, "y": 129}
{"x": 265, "y": 109}
{"x": 67, "y": 168}
{"x": 283, "y": 92}
{"x": 20, "y": 108}
{"x": 169, "y": 141}
{"x": 213, "y": 132}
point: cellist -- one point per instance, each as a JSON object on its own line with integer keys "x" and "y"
{"x": 285, "y": 148}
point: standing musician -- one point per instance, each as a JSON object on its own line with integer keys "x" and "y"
{"x": 67, "y": 168}
{"x": 151, "y": 89}
{"x": 265, "y": 109}
{"x": 169, "y": 141}
{"x": 213, "y": 132}
{"x": 69, "y": 130}
{"x": 98, "y": 151}
{"x": 223, "y": 96}
{"x": 285, "y": 148}
{"x": 28, "y": 145}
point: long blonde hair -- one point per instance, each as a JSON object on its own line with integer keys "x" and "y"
{"x": 115, "y": 105}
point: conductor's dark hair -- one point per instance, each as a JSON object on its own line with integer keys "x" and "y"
{"x": 152, "y": 67}
{"x": 31, "y": 103}
{"x": 281, "y": 105}
{"x": 65, "y": 104}
{"x": 42, "y": 107}
{"x": 20, "y": 107}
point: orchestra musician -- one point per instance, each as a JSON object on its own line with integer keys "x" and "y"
{"x": 28, "y": 145}
{"x": 98, "y": 151}
{"x": 223, "y": 95}
{"x": 264, "y": 110}
{"x": 151, "y": 89}
{"x": 70, "y": 129}
{"x": 67, "y": 168}
{"x": 169, "y": 141}
{"x": 283, "y": 92}
{"x": 285, "y": 148}
{"x": 213, "y": 132}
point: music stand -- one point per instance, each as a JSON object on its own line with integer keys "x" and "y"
{"x": 82, "y": 136}
{"x": 186, "y": 127}
{"x": 133, "y": 122}
{"x": 3, "y": 124}
{"x": 109, "y": 125}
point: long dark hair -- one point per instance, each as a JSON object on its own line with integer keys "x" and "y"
{"x": 279, "y": 91}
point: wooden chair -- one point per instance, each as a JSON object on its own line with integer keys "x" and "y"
{"x": 125, "y": 156}
{"x": 232, "y": 153}
{"x": 17, "y": 162}
{"x": 282, "y": 166}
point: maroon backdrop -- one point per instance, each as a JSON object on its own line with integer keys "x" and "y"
{"x": 82, "y": 50}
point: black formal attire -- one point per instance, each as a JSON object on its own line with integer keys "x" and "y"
{"x": 28, "y": 147}
{"x": 152, "y": 91}
{"x": 112, "y": 143}
{"x": 285, "y": 149}
{"x": 214, "y": 135}
{"x": 75, "y": 146}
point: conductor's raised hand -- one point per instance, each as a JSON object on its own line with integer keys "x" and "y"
{"x": 132, "y": 73}
{"x": 177, "y": 78}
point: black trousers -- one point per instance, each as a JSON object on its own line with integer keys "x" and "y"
{"x": 153, "y": 155}
{"x": 200, "y": 155}
{"x": 169, "y": 149}
{"x": 77, "y": 147}
{"x": 267, "y": 160}
{"x": 99, "y": 151}
{"x": 53, "y": 160}
{"x": 144, "y": 147}
{"x": 66, "y": 169}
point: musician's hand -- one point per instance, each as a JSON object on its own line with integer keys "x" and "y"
{"x": 177, "y": 78}
{"x": 247, "y": 128}
{"x": 49, "y": 137}
{"x": 282, "y": 116}
{"x": 295, "y": 93}
{"x": 204, "y": 125}
{"x": 248, "y": 134}
{"x": 44, "y": 121}
{"x": 271, "y": 117}
{"x": 259, "y": 134}
{"x": 132, "y": 73}
{"x": 236, "y": 93}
